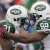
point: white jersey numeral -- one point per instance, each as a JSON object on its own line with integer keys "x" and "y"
{"x": 44, "y": 25}
{"x": 7, "y": 27}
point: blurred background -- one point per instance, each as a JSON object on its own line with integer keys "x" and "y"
{"x": 5, "y": 4}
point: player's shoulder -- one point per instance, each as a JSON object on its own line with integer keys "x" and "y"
{"x": 3, "y": 21}
{"x": 43, "y": 20}
{"x": 43, "y": 25}
{"x": 6, "y": 22}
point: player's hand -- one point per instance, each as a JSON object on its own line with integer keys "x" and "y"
{"x": 2, "y": 29}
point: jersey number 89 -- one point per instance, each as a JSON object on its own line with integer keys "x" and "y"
{"x": 44, "y": 25}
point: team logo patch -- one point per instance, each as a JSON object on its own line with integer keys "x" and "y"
{"x": 40, "y": 7}
{"x": 15, "y": 11}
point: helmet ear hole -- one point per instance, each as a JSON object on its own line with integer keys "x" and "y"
{"x": 40, "y": 15}
{"x": 14, "y": 19}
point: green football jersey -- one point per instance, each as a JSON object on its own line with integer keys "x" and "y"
{"x": 43, "y": 25}
{"x": 9, "y": 26}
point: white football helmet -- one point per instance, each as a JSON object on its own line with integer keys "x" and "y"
{"x": 47, "y": 16}
{"x": 41, "y": 8}
{"x": 16, "y": 13}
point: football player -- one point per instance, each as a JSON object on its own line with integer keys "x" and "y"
{"x": 25, "y": 23}
{"x": 42, "y": 35}
{"x": 17, "y": 15}
{"x": 4, "y": 43}
{"x": 9, "y": 28}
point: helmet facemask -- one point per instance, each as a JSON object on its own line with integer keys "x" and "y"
{"x": 20, "y": 21}
{"x": 31, "y": 19}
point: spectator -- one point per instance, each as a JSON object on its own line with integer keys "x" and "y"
{"x": 1, "y": 13}
{"x": 6, "y": 4}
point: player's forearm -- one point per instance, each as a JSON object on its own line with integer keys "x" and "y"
{"x": 22, "y": 38}
{"x": 16, "y": 37}
{"x": 19, "y": 37}
{"x": 10, "y": 36}
{"x": 27, "y": 38}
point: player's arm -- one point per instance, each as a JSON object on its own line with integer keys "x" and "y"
{"x": 5, "y": 44}
{"x": 26, "y": 37}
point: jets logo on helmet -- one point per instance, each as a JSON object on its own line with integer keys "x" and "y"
{"x": 16, "y": 11}
{"x": 40, "y": 7}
